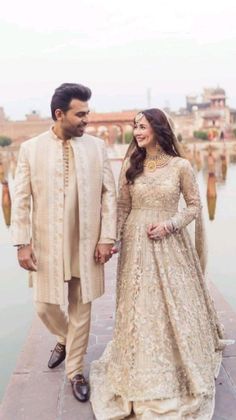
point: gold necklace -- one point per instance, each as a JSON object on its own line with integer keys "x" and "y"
{"x": 152, "y": 162}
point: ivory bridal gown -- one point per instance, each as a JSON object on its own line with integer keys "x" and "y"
{"x": 167, "y": 342}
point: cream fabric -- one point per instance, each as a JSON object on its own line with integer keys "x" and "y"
{"x": 198, "y": 228}
{"x": 72, "y": 330}
{"x": 39, "y": 178}
{"x": 167, "y": 341}
{"x": 71, "y": 212}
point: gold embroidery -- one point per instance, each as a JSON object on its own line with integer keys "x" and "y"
{"x": 167, "y": 339}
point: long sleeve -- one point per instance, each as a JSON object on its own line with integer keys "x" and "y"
{"x": 108, "y": 204}
{"x": 190, "y": 191}
{"x": 20, "y": 221}
{"x": 124, "y": 200}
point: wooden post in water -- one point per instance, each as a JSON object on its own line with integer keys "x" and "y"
{"x": 12, "y": 166}
{"x": 211, "y": 205}
{"x": 6, "y": 203}
{"x": 223, "y": 164}
{"x": 1, "y": 172}
{"x": 189, "y": 154}
{"x": 197, "y": 158}
{"x": 211, "y": 186}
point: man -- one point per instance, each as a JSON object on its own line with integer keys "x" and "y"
{"x": 66, "y": 176}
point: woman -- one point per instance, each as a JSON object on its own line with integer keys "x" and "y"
{"x": 167, "y": 342}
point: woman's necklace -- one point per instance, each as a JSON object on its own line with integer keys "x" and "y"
{"x": 152, "y": 162}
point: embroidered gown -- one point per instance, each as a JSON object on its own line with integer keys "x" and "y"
{"x": 166, "y": 348}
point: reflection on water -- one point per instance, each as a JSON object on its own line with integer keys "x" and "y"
{"x": 216, "y": 173}
{"x": 211, "y": 205}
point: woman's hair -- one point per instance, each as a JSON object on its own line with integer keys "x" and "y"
{"x": 163, "y": 135}
{"x": 64, "y": 94}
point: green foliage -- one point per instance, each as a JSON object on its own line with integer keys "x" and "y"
{"x": 5, "y": 141}
{"x": 234, "y": 131}
{"x": 128, "y": 136}
{"x": 200, "y": 135}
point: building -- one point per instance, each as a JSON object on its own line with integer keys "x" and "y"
{"x": 209, "y": 113}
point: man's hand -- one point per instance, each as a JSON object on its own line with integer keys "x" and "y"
{"x": 26, "y": 258}
{"x": 103, "y": 253}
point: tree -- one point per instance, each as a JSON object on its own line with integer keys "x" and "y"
{"x": 200, "y": 135}
{"x": 128, "y": 136}
{"x": 5, "y": 141}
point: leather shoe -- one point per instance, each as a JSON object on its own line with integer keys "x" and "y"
{"x": 57, "y": 356}
{"x": 80, "y": 388}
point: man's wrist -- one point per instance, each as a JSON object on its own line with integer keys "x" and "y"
{"x": 106, "y": 242}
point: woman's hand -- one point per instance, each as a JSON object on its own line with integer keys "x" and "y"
{"x": 116, "y": 247}
{"x": 158, "y": 230}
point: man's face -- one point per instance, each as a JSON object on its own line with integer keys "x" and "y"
{"x": 74, "y": 121}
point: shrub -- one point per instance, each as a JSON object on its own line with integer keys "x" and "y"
{"x": 128, "y": 136}
{"x": 200, "y": 135}
{"x": 5, "y": 141}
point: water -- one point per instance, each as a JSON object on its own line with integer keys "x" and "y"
{"x": 16, "y": 307}
{"x": 221, "y": 236}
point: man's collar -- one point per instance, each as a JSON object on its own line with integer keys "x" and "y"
{"x": 54, "y": 136}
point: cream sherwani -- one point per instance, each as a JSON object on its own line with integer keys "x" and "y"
{"x": 40, "y": 178}
{"x": 73, "y": 208}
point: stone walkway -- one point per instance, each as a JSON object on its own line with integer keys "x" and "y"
{"x": 37, "y": 393}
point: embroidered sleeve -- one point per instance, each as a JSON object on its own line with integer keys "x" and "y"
{"x": 108, "y": 201}
{"x": 190, "y": 191}
{"x": 20, "y": 221}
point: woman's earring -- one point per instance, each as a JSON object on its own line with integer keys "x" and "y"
{"x": 158, "y": 147}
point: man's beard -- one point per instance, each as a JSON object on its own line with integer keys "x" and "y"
{"x": 76, "y": 131}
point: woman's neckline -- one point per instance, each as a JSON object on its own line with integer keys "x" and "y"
{"x": 152, "y": 174}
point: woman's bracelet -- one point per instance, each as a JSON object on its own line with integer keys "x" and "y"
{"x": 170, "y": 227}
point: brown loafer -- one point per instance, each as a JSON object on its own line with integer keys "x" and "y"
{"x": 57, "y": 356}
{"x": 80, "y": 388}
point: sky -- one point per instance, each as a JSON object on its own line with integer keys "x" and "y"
{"x": 120, "y": 49}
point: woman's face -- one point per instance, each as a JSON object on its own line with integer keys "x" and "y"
{"x": 143, "y": 132}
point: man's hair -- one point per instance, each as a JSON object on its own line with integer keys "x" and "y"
{"x": 64, "y": 94}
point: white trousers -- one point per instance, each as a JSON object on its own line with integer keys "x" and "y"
{"x": 71, "y": 330}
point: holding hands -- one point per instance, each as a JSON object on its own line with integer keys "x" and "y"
{"x": 103, "y": 253}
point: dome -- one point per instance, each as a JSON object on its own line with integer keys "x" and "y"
{"x": 219, "y": 91}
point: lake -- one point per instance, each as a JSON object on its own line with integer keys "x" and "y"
{"x": 16, "y": 307}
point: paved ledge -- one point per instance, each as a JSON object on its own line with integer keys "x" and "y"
{"x": 38, "y": 393}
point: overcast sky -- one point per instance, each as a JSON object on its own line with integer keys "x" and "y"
{"x": 118, "y": 48}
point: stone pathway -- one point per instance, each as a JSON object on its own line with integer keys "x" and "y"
{"x": 37, "y": 393}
